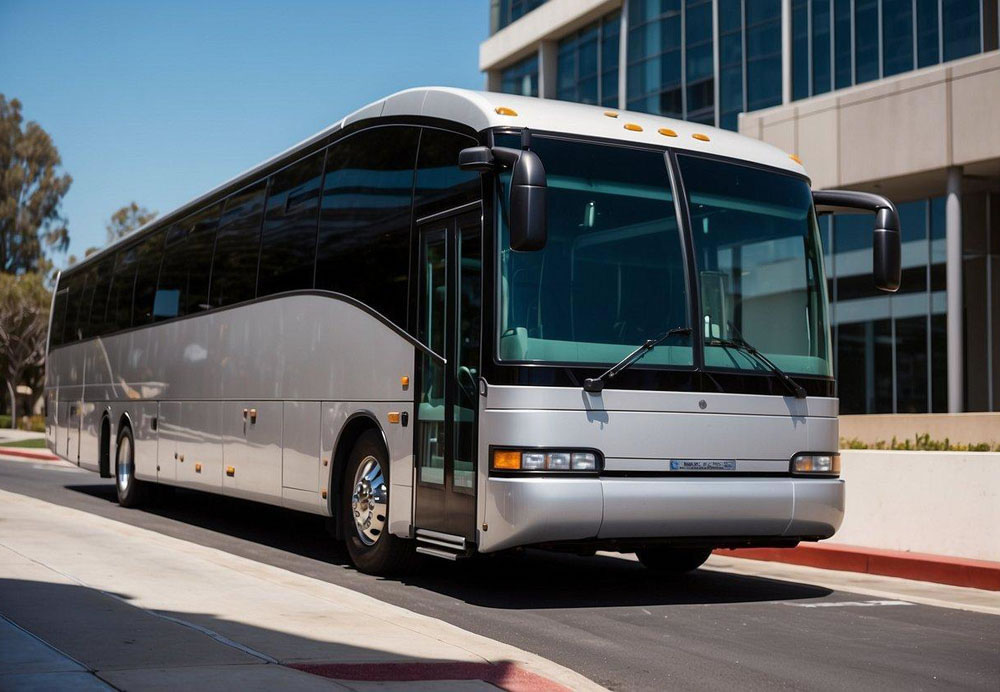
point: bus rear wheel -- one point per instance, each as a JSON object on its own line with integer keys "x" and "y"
{"x": 671, "y": 561}
{"x": 365, "y": 510}
{"x": 131, "y": 491}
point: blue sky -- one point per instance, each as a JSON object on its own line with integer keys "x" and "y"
{"x": 158, "y": 102}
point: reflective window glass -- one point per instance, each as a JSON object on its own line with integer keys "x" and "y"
{"x": 149, "y": 254}
{"x": 187, "y": 260}
{"x": 821, "y": 46}
{"x": 843, "y": 63}
{"x": 103, "y": 272}
{"x": 119, "y": 314}
{"x": 364, "y": 230}
{"x": 237, "y": 247}
{"x": 288, "y": 240}
{"x": 897, "y": 36}
{"x": 440, "y": 183}
{"x": 865, "y": 41}
{"x": 521, "y": 78}
{"x": 961, "y": 29}
{"x": 928, "y": 46}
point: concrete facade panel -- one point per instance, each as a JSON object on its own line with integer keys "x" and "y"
{"x": 975, "y": 108}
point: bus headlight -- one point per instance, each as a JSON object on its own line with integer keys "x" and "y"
{"x": 816, "y": 464}
{"x": 534, "y": 460}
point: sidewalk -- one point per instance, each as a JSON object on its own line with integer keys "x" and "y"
{"x": 38, "y": 453}
{"x": 132, "y": 608}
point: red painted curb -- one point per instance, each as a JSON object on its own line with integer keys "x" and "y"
{"x": 505, "y": 675}
{"x": 21, "y": 452}
{"x": 940, "y": 569}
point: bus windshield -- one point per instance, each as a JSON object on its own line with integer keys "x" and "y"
{"x": 612, "y": 273}
{"x": 610, "y": 276}
{"x": 757, "y": 251}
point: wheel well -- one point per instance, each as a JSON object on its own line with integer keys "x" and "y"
{"x": 356, "y": 426}
{"x": 104, "y": 449}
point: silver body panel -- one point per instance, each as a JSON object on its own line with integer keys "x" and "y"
{"x": 640, "y": 432}
{"x": 304, "y": 363}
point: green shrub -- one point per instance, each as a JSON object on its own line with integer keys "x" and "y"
{"x": 4, "y": 421}
{"x": 920, "y": 443}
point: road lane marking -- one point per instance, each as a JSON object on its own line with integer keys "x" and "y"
{"x": 849, "y": 604}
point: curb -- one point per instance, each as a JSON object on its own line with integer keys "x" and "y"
{"x": 940, "y": 569}
{"x": 506, "y": 675}
{"x": 21, "y": 452}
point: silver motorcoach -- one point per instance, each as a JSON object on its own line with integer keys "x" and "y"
{"x": 463, "y": 321}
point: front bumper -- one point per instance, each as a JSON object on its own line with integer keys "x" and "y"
{"x": 526, "y": 511}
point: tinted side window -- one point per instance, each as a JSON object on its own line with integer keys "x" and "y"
{"x": 81, "y": 327}
{"x": 364, "y": 234}
{"x": 440, "y": 183}
{"x": 119, "y": 314}
{"x": 187, "y": 258}
{"x": 149, "y": 253}
{"x": 98, "y": 308}
{"x": 237, "y": 245}
{"x": 288, "y": 240}
{"x": 59, "y": 315}
{"x": 74, "y": 287}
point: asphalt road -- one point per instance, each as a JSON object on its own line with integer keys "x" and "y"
{"x": 604, "y": 617}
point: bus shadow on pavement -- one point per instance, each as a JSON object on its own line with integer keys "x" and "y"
{"x": 525, "y": 579}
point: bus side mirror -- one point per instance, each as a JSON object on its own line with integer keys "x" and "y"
{"x": 886, "y": 242}
{"x": 527, "y": 208}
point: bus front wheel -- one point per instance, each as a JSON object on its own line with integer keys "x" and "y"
{"x": 131, "y": 491}
{"x": 365, "y": 510}
{"x": 665, "y": 560}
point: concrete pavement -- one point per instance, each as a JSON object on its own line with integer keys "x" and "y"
{"x": 140, "y": 610}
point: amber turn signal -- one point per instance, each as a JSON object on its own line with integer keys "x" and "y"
{"x": 506, "y": 460}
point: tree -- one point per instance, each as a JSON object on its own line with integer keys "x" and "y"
{"x": 31, "y": 190}
{"x": 24, "y": 322}
{"x": 127, "y": 219}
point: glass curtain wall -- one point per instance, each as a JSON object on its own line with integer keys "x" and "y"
{"x": 890, "y": 348}
{"x": 671, "y": 61}
{"x": 838, "y": 43}
{"x": 588, "y": 63}
{"x": 503, "y": 12}
{"x": 521, "y": 78}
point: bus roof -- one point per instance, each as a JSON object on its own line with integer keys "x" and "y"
{"x": 482, "y": 110}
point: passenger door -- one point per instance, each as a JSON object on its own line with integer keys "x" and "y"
{"x": 447, "y": 392}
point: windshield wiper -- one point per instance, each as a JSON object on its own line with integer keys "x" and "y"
{"x": 741, "y": 344}
{"x": 594, "y": 385}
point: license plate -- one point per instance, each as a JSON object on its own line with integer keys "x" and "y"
{"x": 702, "y": 464}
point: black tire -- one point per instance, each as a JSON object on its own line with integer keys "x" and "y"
{"x": 131, "y": 491}
{"x": 672, "y": 561}
{"x": 371, "y": 547}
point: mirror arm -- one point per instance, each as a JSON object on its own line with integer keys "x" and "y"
{"x": 886, "y": 241}
{"x": 886, "y": 215}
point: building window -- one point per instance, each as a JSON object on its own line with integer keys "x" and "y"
{"x": 588, "y": 64}
{"x": 763, "y": 42}
{"x": 521, "y": 78}
{"x": 891, "y": 349}
{"x": 654, "y": 82}
{"x": 503, "y": 12}
{"x": 838, "y": 43}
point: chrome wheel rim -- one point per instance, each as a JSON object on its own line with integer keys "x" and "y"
{"x": 369, "y": 500}
{"x": 124, "y": 463}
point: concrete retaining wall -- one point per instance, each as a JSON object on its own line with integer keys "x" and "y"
{"x": 958, "y": 428}
{"x": 946, "y": 503}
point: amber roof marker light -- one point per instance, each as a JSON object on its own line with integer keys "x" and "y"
{"x": 667, "y": 132}
{"x": 633, "y": 127}
{"x": 700, "y": 137}
{"x": 503, "y": 110}
{"x": 795, "y": 158}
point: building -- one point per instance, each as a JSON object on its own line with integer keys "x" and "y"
{"x": 900, "y": 97}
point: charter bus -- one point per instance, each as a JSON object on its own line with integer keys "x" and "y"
{"x": 460, "y": 322}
